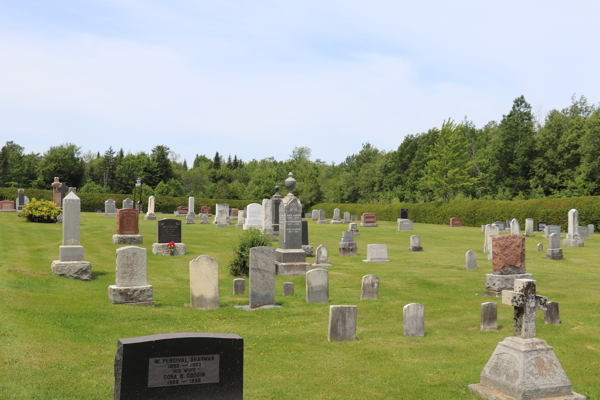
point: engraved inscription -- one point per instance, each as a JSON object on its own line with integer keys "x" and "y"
{"x": 183, "y": 370}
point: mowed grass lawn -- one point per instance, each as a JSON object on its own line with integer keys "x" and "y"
{"x": 58, "y": 336}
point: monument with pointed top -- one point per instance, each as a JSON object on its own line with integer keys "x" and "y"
{"x": 150, "y": 215}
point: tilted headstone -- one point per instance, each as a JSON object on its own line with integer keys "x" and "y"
{"x": 322, "y": 260}
{"x": 252, "y": 217}
{"x": 347, "y": 244}
{"x": 288, "y": 288}
{"x": 554, "y": 250}
{"x": 317, "y": 286}
{"x": 131, "y": 285}
{"x": 342, "y": 323}
{"x": 552, "y": 313}
{"x": 239, "y": 286}
{"x": 470, "y": 260}
{"x": 204, "y": 283}
{"x": 262, "y": 277}
{"x": 573, "y": 238}
{"x": 377, "y": 253}
{"x": 415, "y": 243}
{"x": 414, "y": 320}
{"x": 488, "y": 317}
{"x": 127, "y": 203}
{"x": 71, "y": 263}
{"x": 180, "y": 366}
{"x": 369, "y": 287}
{"x": 404, "y": 225}
{"x": 529, "y": 227}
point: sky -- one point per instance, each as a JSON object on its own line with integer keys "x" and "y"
{"x": 258, "y": 78}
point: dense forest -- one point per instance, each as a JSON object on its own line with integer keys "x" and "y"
{"x": 519, "y": 157}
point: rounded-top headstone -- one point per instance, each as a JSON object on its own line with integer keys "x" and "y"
{"x": 290, "y": 183}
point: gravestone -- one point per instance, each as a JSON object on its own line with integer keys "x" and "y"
{"x": 529, "y": 227}
{"x": 336, "y": 217}
{"x": 554, "y": 250}
{"x": 403, "y": 225}
{"x": 515, "y": 227}
{"x": 550, "y": 229}
{"x": 180, "y": 366}
{"x": 368, "y": 220}
{"x": 168, "y": 230}
{"x": 552, "y": 313}
{"x": 573, "y": 238}
{"x": 262, "y": 277}
{"x": 583, "y": 232}
{"x": 347, "y": 245}
{"x": 342, "y": 323}
{"x": 225, "y": 208}
{"x": 404, "y": 213}
{"x": 20, "y": 199}
{"x": 204, "y": 283}
{"x": 322, "y": 260}
{"x": 63, "y": 190}
{"x": 234, "y": 213}
{"x": 488, "y": 317}
{"x": 71, "y": 263}
{"x": 205, "y": 210}
{"x": 72, "y": 189}
{"x": 239, "y": 286}
{"x": 252, "y": 216}
{"x": 204, "y": 219}
{"x": 524, "y": 366}
{"x": 354, "y": 218}
{"x": 128, "y": 203}
{"x": 222, "y": 218}
{"x": 317, "y": 286}
{"x": 151, "y": 215}
{"x": 470, "y": 260}
{"x": 540, "y": 247}
{"x": 189, "y": 219}
{"x": 508, "y": 264}
{"x": 128, "y": 231}
{"x": 377, "y": 253}
{"x": 56, "y": 196}
{"x": 131, "y": 285}
{"x": 290, "y": 256}
{"x": 276, "y": 200}
{"x": 353, "y": 227}
{"x": 490, "y": 230}
{"x": 346, "y": 217}
{"x": 191, "y": 207}
{"x": 539, "y": 226}
{"x": 266, "y": 217}
{"x": 180, "y": 211}
{"x": 414, "y": 320}
{"x": 322, "y": 219}
{"x": 288, "y": 289}
{"x": 415, "y": 243}
{"x": 315, "y": 215}
{"x": 308, "y": 249}
{"x": 456, "y": 222}
{"x": 591, "y": 229}
{"x": 7, "y": 206}
{"x": 369, "y": 287}
{"x": 241, "y": 219}
{"x": 500, "y": 225}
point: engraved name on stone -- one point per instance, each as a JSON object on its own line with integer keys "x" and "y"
{"x": 183, "y": 370}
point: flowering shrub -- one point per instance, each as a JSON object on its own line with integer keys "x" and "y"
{"x": 40, "y": 211}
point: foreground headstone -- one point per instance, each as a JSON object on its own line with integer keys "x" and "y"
{"x": 347, "y": 245}
{"x": 151, "y": 214}
{"x": 110, "y": 210}
{"x": 262, "y": 277}
{"x": 288, "y": 288}
{"x": 552, "y": 313}
{"x": 369, "y": 287}
{"x": 204, "y": 283}
{"x": 377, "y": 253}
{"x": 488, "y": 317}
{"x": 167, "y": 231}
{"x": 470, "y": 260}
{"x": 317, "y": 286}
{"x": 414, "y": 320}
{"x": 180, "y": 366}
{"x": 239, "y": 286}
{"x": 128, "y": 231}
{"x": 523, "y": 366}
{"x": 131, "y": 285}
{"x": 508, "y": 264}
{"x": 554, "y": 250}
{"x": 415, "y": 243}
{"x": 252, "y": 216}
{"x": 342, "y": 323}
{"x": 403, "y": 225}
{"x": 368, "y": 220}
{"x": 71, "y": 263}
{"x": 322, "y": 260}
{"x": 573, "y": 238}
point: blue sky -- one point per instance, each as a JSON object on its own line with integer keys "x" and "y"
{"x": 256, "y": 78}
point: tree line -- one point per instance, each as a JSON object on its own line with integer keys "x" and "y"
{"x": 516, "y": 158}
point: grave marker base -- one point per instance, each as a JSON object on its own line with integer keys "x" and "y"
{"x": 292, "y": 269}
{"x": 150, "y": 217}
{"x": 139, "y": 295}
{"x": 308, "y": 250}
{"x": 369, "y": 225}
{"x": 112, "y": 215}
{"x": 128, "y": 239}
{"x": 573, "y": 242}
{"x": 81, "y": 270}
{"x": 495, "y": 284}
{"x": 162, "y": 249}
{"x": 415, "y": 248}
{"x": 555, "y": 254}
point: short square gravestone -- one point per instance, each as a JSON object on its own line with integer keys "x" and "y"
{"x": 377, "y": 253}
{"x": 322, "y": 260}
{"x": 369, "y": 287}
{"x": 127, "y": 228}
{"x": 317, "y": 286}
{"x": 110, "y": 210}
{"x": 552, "y": 313}
{"x": 128, "y": 203}
{"x": 288, "y": 288}
{"x": 131, "y": 285}
{"x": 508, "y": 264}
{"x": 403, "y": 224}
{"x": 550, "y": 229}
{"x": 470, "y": 260}
{"x": 342, "y": 323}
{"x": 539, "y": 226}
{"x": 315, "y": 215}
{"x": 488, "y": 317}
{"x": 322, "y": 219}
{"x": 368, "y": 220}
{"x": 554, "y": 250}
{"x": 415, "y": 243}
{"x": 180, "y": 366}
{"x": 168, "y": 231}
{"x": 262, "y": 277}
{"x": 205, "y": 210}
{"x": 239, "y": 286}
{"x": 204, "y": 283}
{"x": 456, "y": 222}
{"x": 583, "y": 232}
{"x": 353, "y": 227}
{"x": 414, "y": 320}
{"x": 591, "y": 229}
{"x": 7, "y": 206}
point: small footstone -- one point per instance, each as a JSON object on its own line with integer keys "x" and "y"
{"x": 540, "y": 247}
{"x": 414, "y": 320}
{"x": 342, "y": 323}
{"x": 239, "y": 286}
{"x": 552, "y": 314}
{"x": 470, "y": 260}
{"x": 488, "y": 317}
{"x": 288, "y": 288}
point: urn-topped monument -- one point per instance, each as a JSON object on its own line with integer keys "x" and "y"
{"x": 290, "y": 257}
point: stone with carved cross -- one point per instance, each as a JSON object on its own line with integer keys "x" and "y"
{"x": 525, "y": 302}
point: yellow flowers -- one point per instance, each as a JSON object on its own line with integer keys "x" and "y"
{"x": 40, "y": 211}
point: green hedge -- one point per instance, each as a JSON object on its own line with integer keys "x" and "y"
{"x": 90, "y": 202}
{"x": 481, "y": 212}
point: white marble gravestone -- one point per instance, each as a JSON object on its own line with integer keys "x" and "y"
{"x": 204, "y": 283}
{"x": 151, "y": 215}
{"x": 252, "y": 217}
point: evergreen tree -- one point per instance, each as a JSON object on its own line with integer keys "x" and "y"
{"x": 229, "y": 162}
{"x": 160, "y": 155}
{"x": 217, "y": 161}
{"x": 185, "y": 167}
{"x": 109, "y": 167}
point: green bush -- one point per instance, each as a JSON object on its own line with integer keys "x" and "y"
{"x": 40, "y": 211}
{"x": 240, "y": 265}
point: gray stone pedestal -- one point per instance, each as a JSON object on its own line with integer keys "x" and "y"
{"x": 128, "y": 239}
{"x": 347, "y": 248}
{"x": 292, "y": 269}
{"x": 140, "y": 295}
{"x": 73, "y": 269}
{"x": 495, "y": 284}
{"x": 163, "y": 250}
{"x": 524, "y": 369}
{"x": 555, "y": 254}
{"x": 369, "y": 225}
{"x": 149, "y": 217}
{"x": 573, "y": 242}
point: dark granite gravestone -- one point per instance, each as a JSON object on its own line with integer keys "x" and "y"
{"x": 290, "y": 225}
{"x": 276, "y": 199}
{"x": 168, "y": 230}
{"x": 21, "y": 194}
{"x": 304, "y": 233}
{"x": 540, "y": 226}
{"x": 404, "y": 213}
{"x": 500, "y": 225}
{"x": 180, "y": 366}
{"x": 63, "y": 190}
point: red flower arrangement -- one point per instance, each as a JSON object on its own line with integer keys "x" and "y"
{"x": 171, "y": 247}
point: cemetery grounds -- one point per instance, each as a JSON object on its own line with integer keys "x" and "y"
{"x": 58, "y": 335}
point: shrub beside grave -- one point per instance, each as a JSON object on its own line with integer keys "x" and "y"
{"x": 40, "y": 211}
{"x": 240, "y": 265}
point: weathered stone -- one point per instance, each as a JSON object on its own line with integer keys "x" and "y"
{"x": 81, "y": 270}
{"x": 490, "y": 230}
{"x": 415, "y": 243}
{"x": 131, "y": 277}
{"x": 414, "y": 320}
{"x": 368, "y": 220}
{"x": 315, "y": 215}
{"x": 573, "y": 238}
{"x": 369, "y": 287}
{"x": 204, "y": 218}
{"x": 342, "y": 323}
{"x": 377, "y": 253}
{"x": 190, "y": 219}
{"x": 508, "y": 254}
{"x": 162, "y": 249}
{"x": 352, "y": 227}
{"x": 404, "y": 225}
{"x": 554, "y": 250}
{"x": 529, "y": 227}
{"x": 540, "y": 247}
{"x": 487, "y": 319}
{"x": 266, "y": 217}
{"x": 110, "y": 209}
{"x": 191, "y": 214}
{"x": 239, "y": 286}
{"x": 347, "y": 245}
{"x": 495, "y": 284}
{"x": 591, "y": 229}
{"x": 583, "y": 232}
{"x": 241, "y": 219}
{"x": 290, "y": 256}
{"x": 470, "y": 260}
{"x": 552, "y": 313}
{"x": 288, "y": 288}
{"x": 322, "y": 260}
{"x": 128, "y": 203}
{"x": 127, "y": 239}
{"x": 347, "y": 217}
{"x": 515, "y": 227}
{"x": 317, "y": 286}
{"x": 151, "y": 215}
{"x": 262, "y": 277}
{"x": 322, "y": 219}
{"x": 336, "y": 217}
{"x": 550, "y": 229}
{"x": 204, "y": 283}
{"x": 222, "y": 216}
